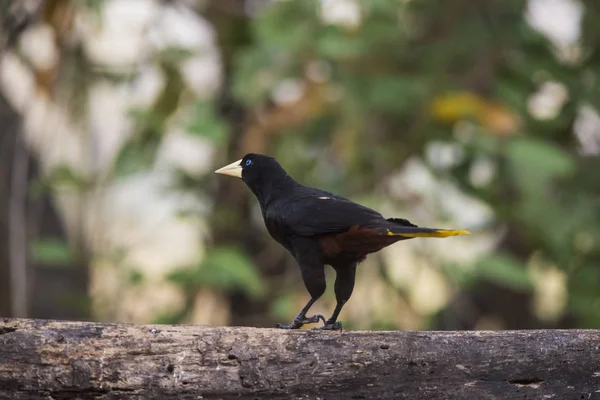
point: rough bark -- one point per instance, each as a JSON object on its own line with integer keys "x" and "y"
{"x": 60, "y": 360}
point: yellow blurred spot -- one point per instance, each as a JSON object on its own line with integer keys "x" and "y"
{"x": 454, "y": 106}
{"x": 494, "y": 116}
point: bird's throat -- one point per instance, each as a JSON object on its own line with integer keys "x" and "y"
{"x": 272, "y": 190}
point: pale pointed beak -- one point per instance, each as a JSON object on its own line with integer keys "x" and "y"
{"x": 233, "y": 169}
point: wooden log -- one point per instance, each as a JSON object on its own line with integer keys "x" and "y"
{"x": 42, "y": 359}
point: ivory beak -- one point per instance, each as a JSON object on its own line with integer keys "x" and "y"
{"x": 233, "y": 169}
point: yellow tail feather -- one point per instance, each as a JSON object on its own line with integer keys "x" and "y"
{"x": 440, "y": 233}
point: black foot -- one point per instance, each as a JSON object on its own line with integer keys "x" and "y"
{"x": 314, "y": 319}
{"x": 331, "y": 326}
{"x": 299, "y": 322}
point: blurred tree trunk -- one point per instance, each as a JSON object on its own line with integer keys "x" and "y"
{"x": 9, "y": 120}
{"x": 29, "y": 288}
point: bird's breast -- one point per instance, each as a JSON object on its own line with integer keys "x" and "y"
{"x": 277, "y": 229}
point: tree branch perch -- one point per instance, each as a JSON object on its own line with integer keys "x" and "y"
{"x": 57, "y": 360}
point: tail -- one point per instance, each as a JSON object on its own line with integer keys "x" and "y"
{"x": 402, "y": 227}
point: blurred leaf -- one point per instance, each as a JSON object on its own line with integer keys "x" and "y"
{"x": 335, "y": 44}
{"x": 255, "y": 76}
{"x": 175, "y": 55}
{"x": 37, "y": 187}
{"x": 283, "y": 306}
{"x": 541, "y": 157}
{"x": 135, "y": 278}
{"x": 584, "y": 298}
{"x": 92, "y": 5}
{"x": 379, "y": 325}
{"x": 166, "y": 319}
{"x": 504, "y": 270}
{"x": 225, "y": 268}
{"x": 136, "y": 156}
{"x": 185, "y": 181}
{"x": 52, "y": 251}
{"x": 65, "y": 176}
{"x": 176, "y": 317}
{"x": 206, "y": 124}
{"x": 394, "y": 93}
{"x": 534, "y": 162}
{"x": 512, "y": 94}
{"x": 80, "y": 303}
{"x": 146, "y": 119}
{"x": 283, "y": 31}
{"x": 461, "y": 276}
{"x": 289, "y": 26}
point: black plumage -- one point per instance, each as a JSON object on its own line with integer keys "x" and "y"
{"x": 318, "y": 228}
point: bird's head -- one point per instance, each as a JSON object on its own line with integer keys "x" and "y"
{"x": 255, "y": 170}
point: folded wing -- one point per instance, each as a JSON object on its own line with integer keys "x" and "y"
{"x": 317, "y": 212}
{"x": 321, "y": 213}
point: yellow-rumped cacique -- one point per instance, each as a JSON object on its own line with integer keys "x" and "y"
{"x": 318, "y": 228}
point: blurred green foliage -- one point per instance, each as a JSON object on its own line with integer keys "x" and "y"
{"x": 222, "y": 268}
{"x": 51, "y": 252}
{"x": 381, "y": 90}
{"x": 372, "y": 94}
{"x": 504, "y": 270}
{"x": 205, "y": 122}
{"x": 417, "y": 71}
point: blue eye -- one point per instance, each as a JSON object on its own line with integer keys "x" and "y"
{"x": 248, "y": 162}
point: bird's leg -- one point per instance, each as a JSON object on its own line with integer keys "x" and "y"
{"x": 301, "y": 318}
{"x": 344, "y": 284}
{"x": 314, "y": 279}
{"x": 332, "y": 324}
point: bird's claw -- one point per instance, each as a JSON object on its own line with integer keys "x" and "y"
{"x": 314, "y": 319}
{"x": 299, "y": 322}
{"x": 294, "y": 325}
{"x": 331, "y": 326}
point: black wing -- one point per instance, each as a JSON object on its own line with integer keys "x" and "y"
{"x": 312, "y": 212}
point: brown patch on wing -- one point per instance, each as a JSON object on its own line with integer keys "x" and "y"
{"x": 356, "y": 243}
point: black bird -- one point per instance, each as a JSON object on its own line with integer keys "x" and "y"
{"x": 318, "y": 228}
